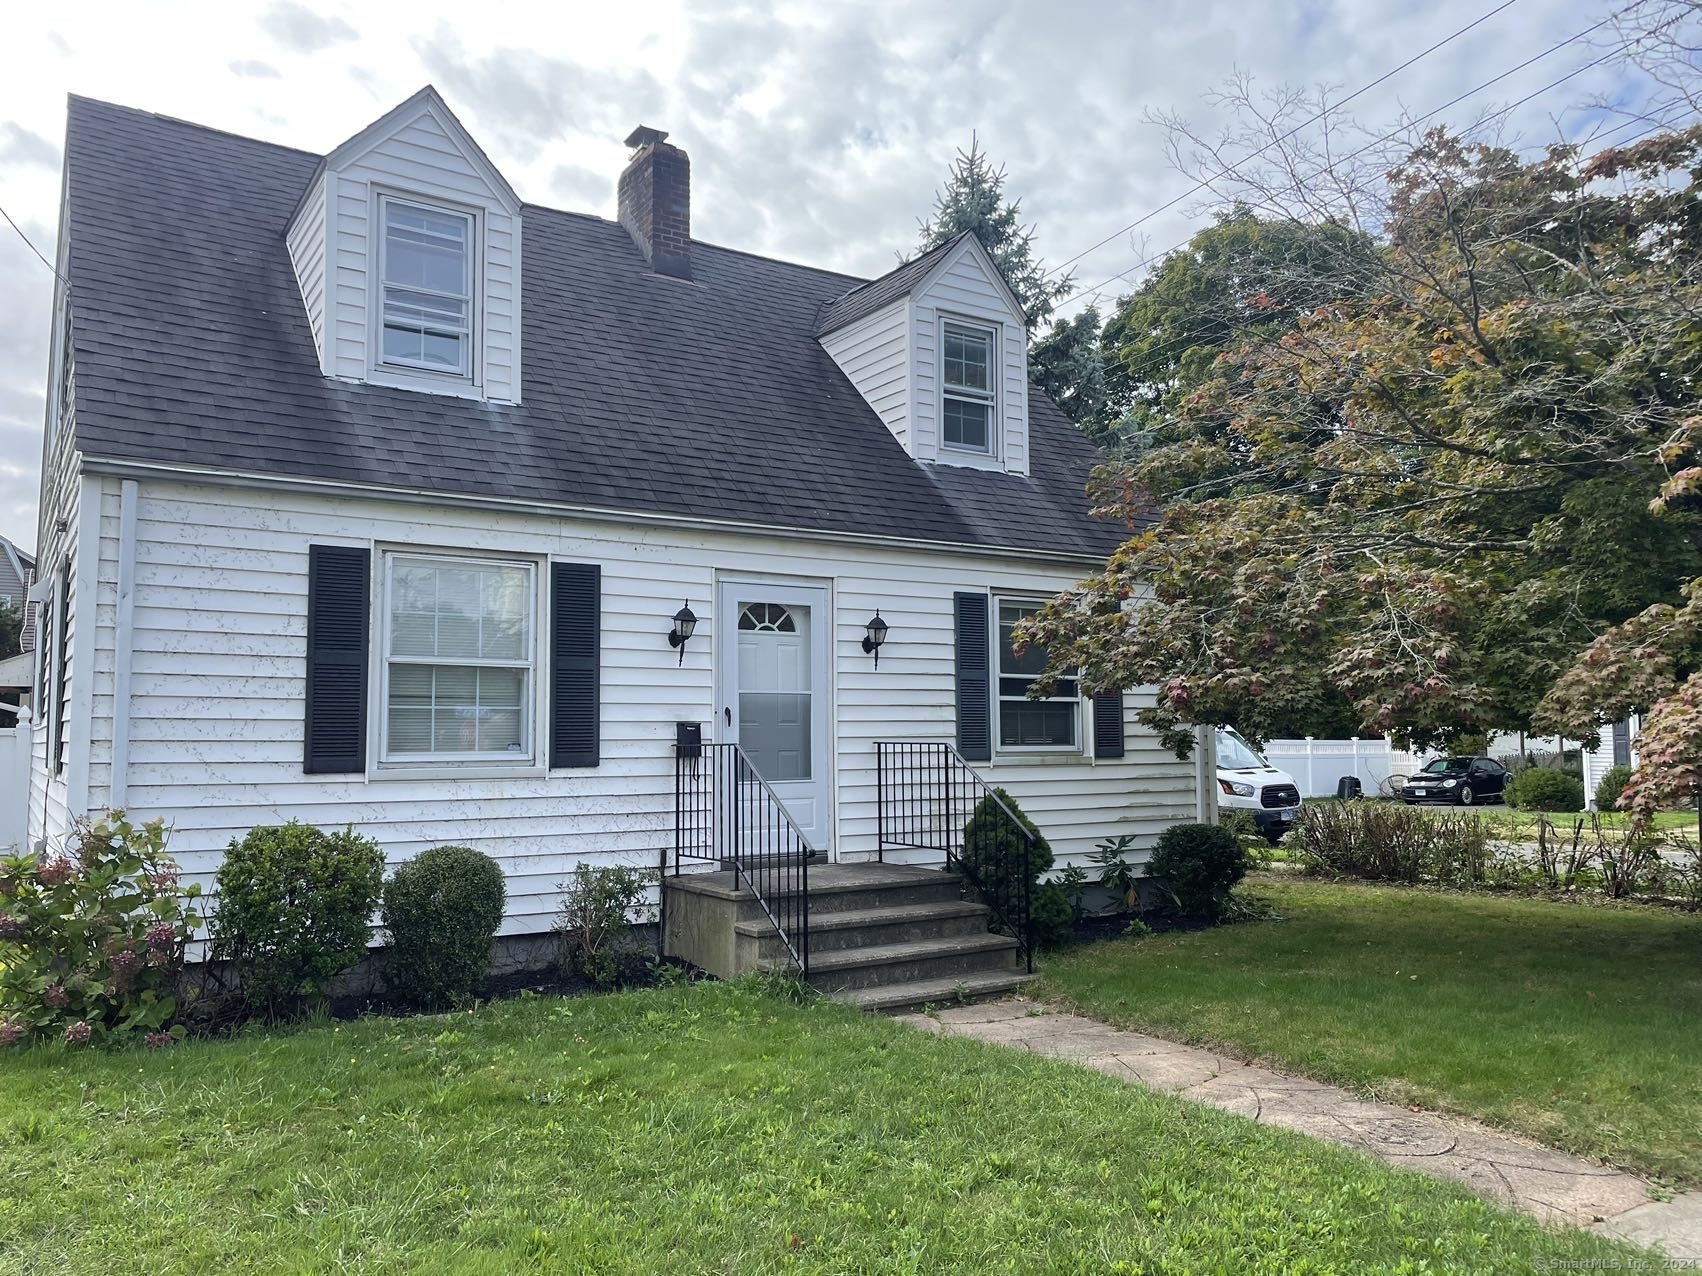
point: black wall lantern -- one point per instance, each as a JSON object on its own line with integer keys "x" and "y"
{"x": 685, "y": 624}
{"x": 874, "y": 637}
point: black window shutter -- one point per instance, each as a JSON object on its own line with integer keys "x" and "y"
{"x": 339, "y": 583}
{"x": 1108, "y": 725}
{"x": 576, "y": 609}
{"x": 974, "y": 684}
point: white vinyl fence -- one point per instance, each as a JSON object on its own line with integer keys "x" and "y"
{"x": 14, "y": 782}
{"x": 1318, "y": 765}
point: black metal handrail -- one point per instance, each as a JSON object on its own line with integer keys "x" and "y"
{"x": 926, "y": 796}
{"x": 725, "y": 812}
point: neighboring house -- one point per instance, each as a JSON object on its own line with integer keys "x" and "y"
{"x": 371, "y": 494}
{"x": 17, "y": 574}
{"x": 1615, "y": 745}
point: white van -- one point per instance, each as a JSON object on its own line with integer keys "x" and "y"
{"x": 1246, "y": 782}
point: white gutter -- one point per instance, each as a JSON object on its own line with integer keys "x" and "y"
{"x": 123, "y": 641}
{"x": 684, "y": 522}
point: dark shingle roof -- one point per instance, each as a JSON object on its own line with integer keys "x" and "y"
{"x": 867, "y": 298}
{"x": 706, "y": 399}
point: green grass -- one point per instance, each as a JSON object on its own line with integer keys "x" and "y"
{"x": 706, "y": 1129}
{"x": 1579, "y": 1026}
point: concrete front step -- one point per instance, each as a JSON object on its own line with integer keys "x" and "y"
{"x": 891, "y": 998}
{"x": 840, "y": 929}
{"x": 925, "y": 959}
{"x": 832, "y": 888}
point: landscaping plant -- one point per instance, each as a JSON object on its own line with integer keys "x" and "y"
{"x": 295, "y": 911}
{"x": 1006, "y": 868}
{"x": 1611, "y": 785}
{"x": 442, "y": 908}
{"x": 1116, "y": 874}
{"x": 1198, "y": 865}
{"x": 92, "y": 938}
{"x": 1543, "y": 789}
{"x": 594, "y": 924}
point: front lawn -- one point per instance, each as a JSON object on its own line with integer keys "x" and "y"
{"x": 712, "y": 1128}
{"x": 1579, "y": 1026}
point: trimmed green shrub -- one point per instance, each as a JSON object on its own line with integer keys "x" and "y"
{"x": 1198, "y": 864}
{"x": 92, "y": 941}
{"x": 1469, "y": 744}
{"x": 441, "y": 908}
{"x": 1611, "y": 785}
{"x": 993, "y": 851}
{"x": 295, "y": 910}
{"x": 594, "y": 924}
{"x": 1545, "y": 789}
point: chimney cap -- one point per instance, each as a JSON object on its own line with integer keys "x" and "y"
{"x": 644, "y": 135}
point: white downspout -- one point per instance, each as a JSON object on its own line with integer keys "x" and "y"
{"x": 122, "y": 641}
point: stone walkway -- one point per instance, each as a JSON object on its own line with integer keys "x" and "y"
{"x": 1555, "y": 1187}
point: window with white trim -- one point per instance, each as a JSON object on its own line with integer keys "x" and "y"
{"x": 426, "y": 288}
{"x": 460, "y": 659}
{"x": 1053, "y": 722}
{"x": 968, "y": 406}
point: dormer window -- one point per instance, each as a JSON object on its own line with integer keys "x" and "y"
{"x": 426, "y": 274}
{"x": 968, "y": 408}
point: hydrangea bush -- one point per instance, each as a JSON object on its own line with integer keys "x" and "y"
{"x": 92, "y": 937}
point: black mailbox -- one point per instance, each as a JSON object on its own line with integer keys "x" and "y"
{"x": 688, "y": 739}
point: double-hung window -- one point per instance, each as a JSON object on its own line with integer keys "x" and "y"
{"x": 968, "y": 407}
{"x": 1050, "y": 723}
{"x": 426, "y": 274}
{"x": 459, "y": 659}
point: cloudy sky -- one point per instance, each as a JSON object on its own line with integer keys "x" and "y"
{"x": 818, "y": 132}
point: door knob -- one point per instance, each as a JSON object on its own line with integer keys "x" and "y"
{"x": 729, "y": 715}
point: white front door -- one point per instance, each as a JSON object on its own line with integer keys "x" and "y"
{"x": 772, "y": 677}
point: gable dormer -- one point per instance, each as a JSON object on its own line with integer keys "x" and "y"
{"x": 406, "y": 246}
{"x": 938, "y": 348}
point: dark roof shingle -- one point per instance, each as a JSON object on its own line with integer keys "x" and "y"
{"x": 867, "y": 298}
{"x": 711, "y": 398}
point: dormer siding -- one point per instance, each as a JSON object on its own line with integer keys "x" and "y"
{"x": 874, "y": 353}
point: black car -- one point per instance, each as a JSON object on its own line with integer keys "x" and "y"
{"x": 1462, "y": 780}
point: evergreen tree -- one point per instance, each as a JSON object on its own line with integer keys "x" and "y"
{"x": 1068, "y": 365}
{"x": 974, "y": 199}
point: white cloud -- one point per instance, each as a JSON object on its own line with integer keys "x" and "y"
{"x": 18, "y": 145}
{"x": 817, "y": 132}
{"x": 300, "y": 29}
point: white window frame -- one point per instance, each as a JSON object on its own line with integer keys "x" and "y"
{"x": 468, "y": 372}
{"x": 1079, "y": 748}
{"x": 532, "y": 698}
{"x": 991, "y": 333}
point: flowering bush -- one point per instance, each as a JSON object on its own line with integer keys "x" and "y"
{"x": 92, "y": 937}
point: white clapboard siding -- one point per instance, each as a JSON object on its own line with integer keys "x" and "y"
{"x": 874, "y": 353}
{"x": 307, "y": 248}
{"x": 219, "y": 664}
{"x": 963, "y": 288}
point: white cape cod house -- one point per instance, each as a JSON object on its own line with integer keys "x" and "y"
{"x": 373, "y": 495}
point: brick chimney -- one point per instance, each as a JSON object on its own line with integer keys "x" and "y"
{"x": 654, "y": 197}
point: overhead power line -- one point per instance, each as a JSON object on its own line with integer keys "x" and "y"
{"x": 1333, "y": 107}
{"x": 1223, "y": 330}
{"x": 44, "y": 261}
{"x": 1405, "y": 127}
